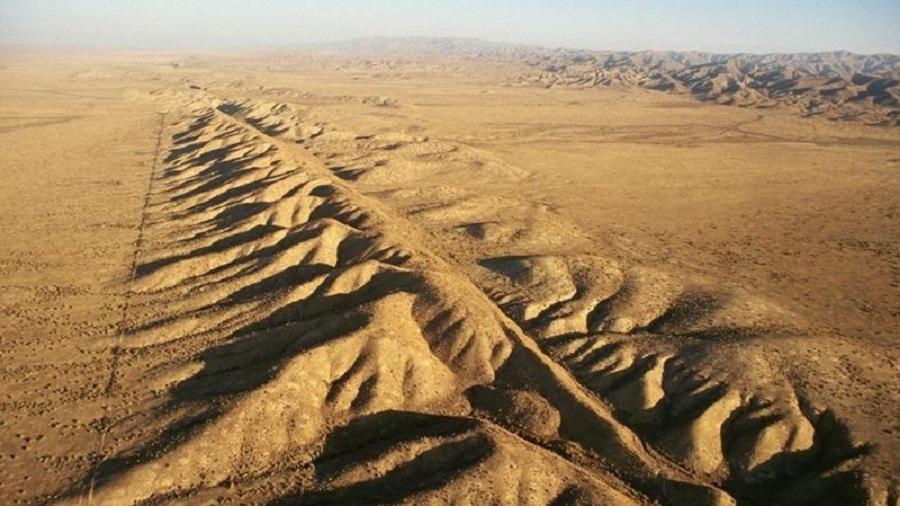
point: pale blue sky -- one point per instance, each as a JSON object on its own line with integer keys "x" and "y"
{"x": 721, "y": 26}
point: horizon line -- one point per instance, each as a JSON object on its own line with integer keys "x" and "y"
{"x": 253, "y": 48}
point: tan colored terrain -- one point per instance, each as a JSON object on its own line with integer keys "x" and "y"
{"x": 838, "y": 85}
{"x": 308, "y": 280}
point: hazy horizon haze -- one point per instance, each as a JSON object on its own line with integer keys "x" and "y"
{"x": 760, "y": 26}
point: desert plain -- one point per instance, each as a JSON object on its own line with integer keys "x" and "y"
{"x": 422, "y": 278}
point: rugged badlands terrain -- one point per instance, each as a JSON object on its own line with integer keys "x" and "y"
{"x": 338, "y": 280}
{"x": 836, "y": 85}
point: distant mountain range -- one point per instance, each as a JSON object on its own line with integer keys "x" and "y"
{"x": 838, "y": 85}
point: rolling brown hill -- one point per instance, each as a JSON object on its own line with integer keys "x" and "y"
{"x": 837, "y": 85}
{"x": 236, "y": 281}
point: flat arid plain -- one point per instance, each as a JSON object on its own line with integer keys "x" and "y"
{"x": 433, "y": 275}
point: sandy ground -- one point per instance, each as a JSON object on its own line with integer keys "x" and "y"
{"x": 782, "y": 205}
{"x": 315, "y": 280}
{"x": 75, "y": 168}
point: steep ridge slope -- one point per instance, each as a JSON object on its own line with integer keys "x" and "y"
{"x": 692, "y": 366}
{"x": 289, "y": 340}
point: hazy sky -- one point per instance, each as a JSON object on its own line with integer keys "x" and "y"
{"x": 724, "y": 26}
